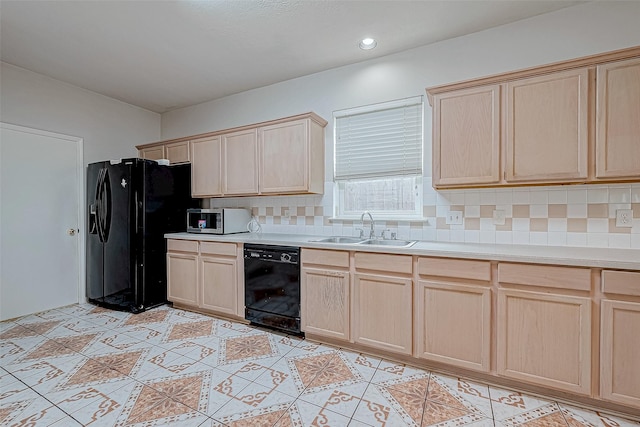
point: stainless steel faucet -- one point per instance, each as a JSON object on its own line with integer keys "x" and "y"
{"x": 372, "y": 233}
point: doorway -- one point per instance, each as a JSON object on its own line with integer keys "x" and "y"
{"x": 41, "y": 226}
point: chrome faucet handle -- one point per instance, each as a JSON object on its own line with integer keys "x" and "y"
{"x": 383, "y": 234}
{"x": 393, "y": 235}
{"x": 361, "y": 230}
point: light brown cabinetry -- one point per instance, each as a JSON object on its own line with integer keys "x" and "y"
{"x": 466, "y": 136}
{"x": 291, "y": 157}
{"x": 546, "y": 127}
{"x": 453, "y": 312}
{"x": 544, "y": 337}
{"x": 176, "y": 152}
{"x": 206, "y": 167}
{"x": 620, "y": 338}
{"x": 325, "y": 293}
{"x": 205, "y": 276}
{"x": 618, "y": 127}
{"x": 152, "y": 153}
{"x": 536, "y": 126}
{"x": 182, "y": 272}
{"x": 218, "y": 278}
{"x": 240, "y": 165}
{"x": 383, "y": 302}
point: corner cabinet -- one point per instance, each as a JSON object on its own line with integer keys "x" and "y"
{"x": 538, "y": 126}
{"x": 292, "y": 157}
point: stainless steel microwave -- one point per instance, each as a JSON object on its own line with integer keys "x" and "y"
{"x": 218, "y": 221}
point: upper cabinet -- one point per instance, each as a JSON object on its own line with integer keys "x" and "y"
{"x": 570, "y": 122}
{"x": 284, "y": 156}
{"x": 546, "y": 127}
{"x": 292, "y": 157}
{"x": 618, "y": 123}
{"x": 206, "y": 167}
{"x": 466, "y": 136}
{"x": 176, "y": 152}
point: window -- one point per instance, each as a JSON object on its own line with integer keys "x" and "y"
{"x": 378, "y": 160}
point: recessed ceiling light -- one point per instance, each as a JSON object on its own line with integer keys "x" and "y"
{"x": 367, "y": 43}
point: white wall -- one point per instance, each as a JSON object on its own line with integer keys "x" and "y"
{"x": 569, "y": 33}
{"x": 110, "y": 128}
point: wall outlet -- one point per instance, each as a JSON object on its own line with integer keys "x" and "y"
{"x": 624, "y": 218}
{"x": 499, "y": 217}
{"x": 285, "y": 213}
{"x": 454, "y": 217}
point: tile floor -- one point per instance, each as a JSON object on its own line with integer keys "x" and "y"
{"x": 84, "y": 365}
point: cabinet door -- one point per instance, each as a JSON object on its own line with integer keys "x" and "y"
{"x": 545, "y": 339}
{"x": 284, "y": 157}
{"x": 546, "y": 127}
{"x": 620, "y": 352}
{"x": 453, "y": 324}
{"x": 178, "y": 152}
{"x": 618, "y": 127}
{"x": 325, "y": 302}
{"x": 466, "y": 137}
{"x": 153, "y": 153}
{"x": 219, "y": 284}
{"x": 206, "y": 167}
{"x": 383, "y": 312}
{"x": 240, "y": 162}
{"x": 182, "y": 278}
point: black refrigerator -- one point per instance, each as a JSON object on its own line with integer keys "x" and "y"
{"x": 131, "y": 203}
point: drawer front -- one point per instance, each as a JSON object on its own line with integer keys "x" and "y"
{"x": 218, "y": 248}
{"x": 459, "y": 268}
{"x": 325, "y": 257}
{"x": 621, "y": 282}
{"x": 384, "y": 262}
{"x": 175, "y": 245}
{"x": 547, "y": 276}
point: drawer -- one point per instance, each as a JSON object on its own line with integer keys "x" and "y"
{"x": 325, "y": 257}
{"x": 218, "y": 248}
{"x": 458, "y": 268}
{"x": 621, "y": 282}
{"x": 548, "y": 276}
{"x": 174, "y": 245}
{"x": 387, "y": 263}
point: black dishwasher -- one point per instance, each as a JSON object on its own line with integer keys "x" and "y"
{"x": 272, "y": 286}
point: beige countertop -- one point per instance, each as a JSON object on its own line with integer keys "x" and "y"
{"x": 624, "y": 259}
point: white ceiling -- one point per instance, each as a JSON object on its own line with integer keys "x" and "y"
{"x": 163, "y": 55}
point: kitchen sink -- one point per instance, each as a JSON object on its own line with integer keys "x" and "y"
{"x": 380, "y": 242}
{"x": 339, "y": 239}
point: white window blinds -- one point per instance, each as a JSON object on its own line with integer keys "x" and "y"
{"x": 379, "y": 140}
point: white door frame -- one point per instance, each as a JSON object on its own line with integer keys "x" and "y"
{"x": 81, "y": 196}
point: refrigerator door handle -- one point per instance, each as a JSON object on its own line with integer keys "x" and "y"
{"x": 99, "y": 206}
{"x": 105, "y": 205}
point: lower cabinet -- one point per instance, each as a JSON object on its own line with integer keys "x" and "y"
{"x": 325, "y": 293}
{"x": 620, "y": 338}
{"x": 205, "y": 275}
{"x": 545, "y": 339}
{"x": 218, "y": 278}
{"x": 383, "y": 312}
{"x": 453, "y": 319}
{"x": 182, "y": 272}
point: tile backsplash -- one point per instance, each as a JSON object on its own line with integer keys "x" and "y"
{"x": 569, "y": 215}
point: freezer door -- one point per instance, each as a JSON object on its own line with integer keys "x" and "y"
{"x": 95, "y": 265}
